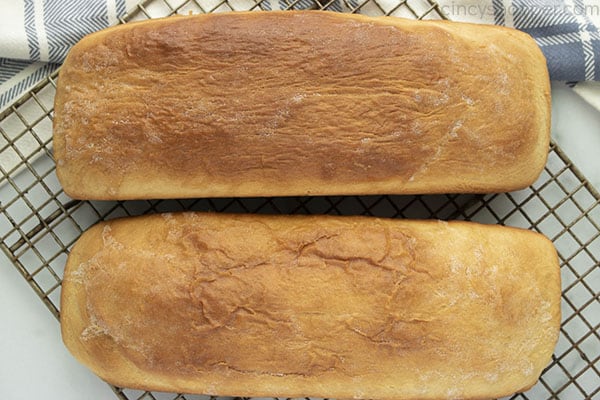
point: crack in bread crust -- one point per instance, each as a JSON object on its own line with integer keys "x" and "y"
{"x": 282, "y": 303}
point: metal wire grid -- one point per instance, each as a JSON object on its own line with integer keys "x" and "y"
{"x": 39, "y": 223}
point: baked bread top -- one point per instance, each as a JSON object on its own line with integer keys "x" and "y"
{"x": 342, "y": 307}
{"x": 300, "y": 103}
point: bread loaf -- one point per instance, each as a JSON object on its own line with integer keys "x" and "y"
{"x": 293, "y": 306}
{"x": 300, "y": 103}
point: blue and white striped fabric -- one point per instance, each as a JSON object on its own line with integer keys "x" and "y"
{"x": 331, "y": 5}
{"x": 35, "y": 35}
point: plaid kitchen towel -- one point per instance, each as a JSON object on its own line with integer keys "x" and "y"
{"x": 35, "y": 35}
{"x": 567, "y": 31}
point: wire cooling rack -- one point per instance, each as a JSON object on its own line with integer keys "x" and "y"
{"x": 39, "y": 223}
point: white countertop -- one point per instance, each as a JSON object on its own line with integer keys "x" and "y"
{"x": 576, "y": 129}
{"x": 35, "y": 364}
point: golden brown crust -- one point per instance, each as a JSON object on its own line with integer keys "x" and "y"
{"x": 294, "y": 103}
{"x": 343, "y": 307}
